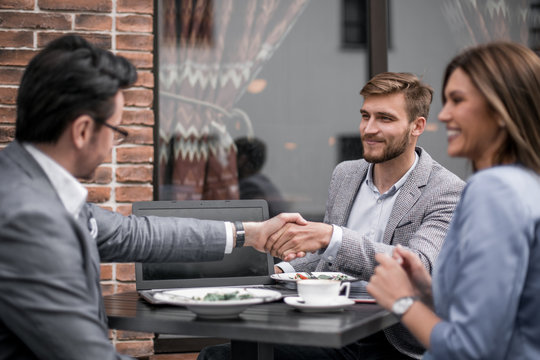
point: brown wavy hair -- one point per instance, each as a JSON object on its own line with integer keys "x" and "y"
{"x": 508, "y": 76}
{"x": 418, "y": 95}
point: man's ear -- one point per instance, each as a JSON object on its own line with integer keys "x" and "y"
{"x": 418, "y": 126}
{"x": 82, "y": 129}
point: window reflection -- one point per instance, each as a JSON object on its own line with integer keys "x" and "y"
{"x": 209, "y": 52}
{"x": 251, "y": 157}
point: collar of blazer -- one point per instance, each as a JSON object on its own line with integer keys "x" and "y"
{"x": 407, "y": 196}
{"x": 28, "y": 165}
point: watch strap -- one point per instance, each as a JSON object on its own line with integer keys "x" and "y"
{"x": 240, "y": 234}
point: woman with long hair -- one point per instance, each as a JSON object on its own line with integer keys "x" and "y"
{"x": 484, "y": 298}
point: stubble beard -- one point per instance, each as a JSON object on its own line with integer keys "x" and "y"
{"x": 390, "y": 152}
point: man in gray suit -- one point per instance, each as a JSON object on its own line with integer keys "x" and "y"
{"x": 69, "y": 104}
{"x": 396, "y": 195}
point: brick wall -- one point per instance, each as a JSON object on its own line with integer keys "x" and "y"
{"x": 126, "y": 28}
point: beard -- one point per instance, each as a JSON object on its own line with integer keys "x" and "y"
{"x": 391, "y": 151}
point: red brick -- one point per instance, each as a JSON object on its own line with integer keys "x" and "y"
{"x": 101, "y": 40}
{"x": 138, "y": 117}
{"x": 102, "y": 175}
{"x": 7, "y": 134}
{"x": 136, "y": 155}
{"x": 145, "y": 79}
{"x": 140, "y": 135}
{"x": 107, "y": 288}
{"x": 16, "y": 38}
{"x": 135, "y": 348}
{"x": 134, "y": 23}
{"x": 125, "y": 287}
{"x": 125, "y": 272}
{"x": 133, "y": 193}
{"x": 134, "y": 174}
{"x": 108, "y": 158}
{"x": 8, "y": 95}
{"x": 8, "y": 114}
{"x": 16, "y": 57}
{"x": 138, "y": 97}
{"x": 133, "y": 335}
{"x": 77, "y": 5}
{"x": 124, "y": 209}
{"x": 98, "y": 194}
{"x": 17, "y": 4}
{"x": 106, "y": 271}
{"x": 11, "y": 76}
{"x": 135, "y": 6}
{"x": 17, "y": 20}
{"x": 134, "y": 42}
{"x": 139, "y": 59}
{"x": 108, "y": 208}
{"x": 93, "y": 22}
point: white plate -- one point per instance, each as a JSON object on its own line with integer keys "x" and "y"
{"x": 288, "y": 277}
{"x": 219, "y": 309}
{"x": 299, "y": 304}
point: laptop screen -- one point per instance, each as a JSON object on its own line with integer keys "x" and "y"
{"x": 244, "y": 266}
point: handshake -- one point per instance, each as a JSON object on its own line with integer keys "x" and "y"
{"x": 287, "y": 236}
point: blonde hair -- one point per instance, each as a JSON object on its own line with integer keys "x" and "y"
{"x": 508, "y": 76}
{"x": 418, "y": 95}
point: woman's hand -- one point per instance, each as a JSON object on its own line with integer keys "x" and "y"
{"x": 417, "y": 273}
{"x": 389, "y": 281}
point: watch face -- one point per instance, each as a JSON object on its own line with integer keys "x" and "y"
{"x": 402, "y": 305}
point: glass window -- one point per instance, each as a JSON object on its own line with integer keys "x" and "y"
{"x": 427, "y": 34}
{"x": 257, "y": 98}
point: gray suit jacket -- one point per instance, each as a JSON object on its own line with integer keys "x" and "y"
{"x": 50, "y": 295}
{"x": 419, "y": 221}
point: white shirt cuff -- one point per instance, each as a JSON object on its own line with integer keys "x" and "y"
{"x": 329, "y": 255}
{"x": 229, "y": 238}
{"x": 286, "y": 267}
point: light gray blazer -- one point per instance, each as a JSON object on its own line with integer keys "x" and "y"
{"x": 50, "y": 295}
{"x": 419, "y": 221}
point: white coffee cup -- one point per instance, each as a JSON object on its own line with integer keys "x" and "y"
{"x": 321, "y": 291}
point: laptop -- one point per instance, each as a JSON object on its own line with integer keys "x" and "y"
{"x": 244, "y": 267}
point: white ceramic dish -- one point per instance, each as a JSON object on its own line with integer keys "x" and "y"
{"x": 293, "y": 277}
{"x": 220, "y": 309}
{"x": 299, "y": 304}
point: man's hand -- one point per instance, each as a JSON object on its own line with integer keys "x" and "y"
{"x": 257, "y": 233}
{"x": 293, "y": 240}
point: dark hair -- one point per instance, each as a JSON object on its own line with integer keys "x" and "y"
{"x": 508, "y": 76}
{"x": 254, "y": 153}
{"x": 418, "y": 95}
{"x": 67, "y": 79}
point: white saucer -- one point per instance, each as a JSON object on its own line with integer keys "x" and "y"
{"x": 299, "y": 304}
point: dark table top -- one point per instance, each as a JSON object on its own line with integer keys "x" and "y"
{"x": 276, "y": 322}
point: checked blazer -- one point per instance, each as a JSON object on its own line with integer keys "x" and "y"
{"x": 419, "y": 221}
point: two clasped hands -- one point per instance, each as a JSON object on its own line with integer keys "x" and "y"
{"x": 287, "y": 236}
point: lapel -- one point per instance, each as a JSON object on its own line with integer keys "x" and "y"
{"x": 41, "y": 183}
{"x": 348, "y": 190}
{"x": 410, "y": 193}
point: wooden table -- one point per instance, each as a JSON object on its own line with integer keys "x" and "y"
{"x": 257, "y": 329}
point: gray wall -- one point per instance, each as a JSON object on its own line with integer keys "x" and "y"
{"x": 313, "y": 85}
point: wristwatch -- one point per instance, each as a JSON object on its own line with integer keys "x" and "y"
{"x": 402, "y": 305}
{"x": 240, "y": 234}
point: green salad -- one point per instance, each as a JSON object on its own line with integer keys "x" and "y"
{"x": 224, "y": 296}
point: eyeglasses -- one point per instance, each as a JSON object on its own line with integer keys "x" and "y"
{"x": 122, "y": 134}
